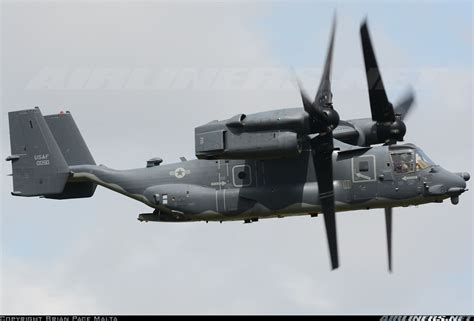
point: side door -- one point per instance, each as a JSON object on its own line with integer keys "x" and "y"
{"x": 232, "y": 176}
{"x": 364, "y": 183}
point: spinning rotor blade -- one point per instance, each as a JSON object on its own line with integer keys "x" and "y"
{"x": 324, "y": 119}
{"x": 388, "y": 227}
{"x": 390, "y": 127}
{"x": 307, "y": 104}
{"x": 324, "y": 95}
{"x": 322, "y": 146}
{"x": 381, "y": 108}
{"x": 322, "y": 115}
{"x": 403, "y": 107}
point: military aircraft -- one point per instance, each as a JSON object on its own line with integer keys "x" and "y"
{"x": 286, "y": 162}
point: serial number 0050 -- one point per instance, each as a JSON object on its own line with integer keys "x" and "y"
{"x": 41, "y": 159}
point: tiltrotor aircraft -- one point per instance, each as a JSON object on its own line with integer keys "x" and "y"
{"x": 297, "y": 161}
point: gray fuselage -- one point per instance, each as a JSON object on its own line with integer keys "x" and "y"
{"x": 220, "y": 190}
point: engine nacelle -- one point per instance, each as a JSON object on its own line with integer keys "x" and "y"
{"x": 227, "y": 144}
{"x": 265, "y": 135}
{"x": 366, "y": 132}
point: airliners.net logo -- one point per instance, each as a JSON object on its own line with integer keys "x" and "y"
{"x": 426, "y": 318}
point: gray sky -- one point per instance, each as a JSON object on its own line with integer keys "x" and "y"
{"x": 138, "y": 77}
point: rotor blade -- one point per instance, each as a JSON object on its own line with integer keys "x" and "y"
{"x": 402, "y": 108}
{"x": 307, "y": 104}
{"x": 324, "y": 94}
{"x": 322, "y": 146}
{"x": 388, "y": 227}
{"x": 381, "y": 108}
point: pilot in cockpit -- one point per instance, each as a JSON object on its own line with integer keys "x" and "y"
{"x": 403, "y": 162}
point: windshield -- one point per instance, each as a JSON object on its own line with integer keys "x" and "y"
{"x": 422, "y": 160}
{"x": 403, "y": 161}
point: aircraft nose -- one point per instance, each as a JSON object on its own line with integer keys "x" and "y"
{"x": 465, "y": 176}
{"x": 456, "y": 184}
{"x": 450, "y": 184}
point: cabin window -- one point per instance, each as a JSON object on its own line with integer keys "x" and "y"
{"x": 241, "y": 175}
{"x": 364, "y": 166}
{"x": 363, "y": 169}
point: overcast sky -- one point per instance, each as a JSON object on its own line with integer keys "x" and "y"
{"x": 138, "y": 77}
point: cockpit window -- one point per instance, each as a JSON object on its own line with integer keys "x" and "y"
{"x": 422, "y": 160}
{"x": 403, "y": 162}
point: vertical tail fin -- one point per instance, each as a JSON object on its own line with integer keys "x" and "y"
{"x": 69, "y": 139}
{"x": 39, "y": 167}
{"x": 75, "y": 152}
